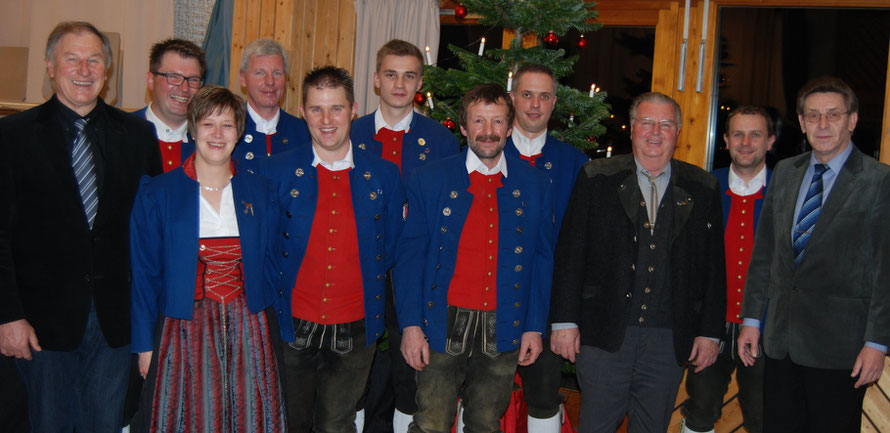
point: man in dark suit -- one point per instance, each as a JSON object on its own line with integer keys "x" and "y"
{"x": 819, "y": 273}
{"x": 639, "y": 278}
{"x": 69, "y": 173}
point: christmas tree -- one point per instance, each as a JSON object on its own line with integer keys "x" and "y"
{"x": 576, "y": 118}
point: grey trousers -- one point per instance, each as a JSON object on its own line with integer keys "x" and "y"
{"x": 640, "y": 379}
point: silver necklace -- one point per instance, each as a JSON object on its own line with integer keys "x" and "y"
{"x": 213, "y": 188}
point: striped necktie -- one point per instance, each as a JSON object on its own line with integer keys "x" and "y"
{"x": 85, "y": 171}
{"x": 809, "y": 213}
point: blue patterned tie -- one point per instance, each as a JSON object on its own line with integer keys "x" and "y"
{"x": 809, "y": 213}
{"x": 85, "y": 171}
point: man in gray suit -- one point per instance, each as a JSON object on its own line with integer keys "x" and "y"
{"x": 819, "y": 273}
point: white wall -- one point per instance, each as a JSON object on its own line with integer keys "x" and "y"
{"x": 139, "y": 22}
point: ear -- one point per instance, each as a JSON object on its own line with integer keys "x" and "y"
{"x": 726, "y": 140}
{"x": 769, "y": 143}
{"x": 149, "y": 81}
{"x": 376, "y": 80}
{"x": 242, "y": 79}
{"x": 463, "y": 131}
{"x": 803, "y": 124}
{"x": 854, "y": 118}
{"x": 50, "y": 70}
{"x": 302, "y": 113}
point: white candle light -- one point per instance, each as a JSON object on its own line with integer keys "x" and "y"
{"x": 482, "y": 46}
{"x": 592, "y": 89}
{"x": 429, "y": 59}
{"x": 572, "y": 117}
{"x": 429, "y": 99}
{"x": 609, "y": 152}
{"x": 509, "y": 81}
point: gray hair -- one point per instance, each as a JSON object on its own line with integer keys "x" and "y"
{"x": 656, "y": 98}
{"x": 76, "y": 27}
{"x": 262, "y": 47}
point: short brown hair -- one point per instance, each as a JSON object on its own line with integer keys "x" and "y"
{"x": 537, "y": 68}
{"x": 76, "y": 27}
{"x": 215, "y": 99}
{"x": 185, "y": 49}
{"x": 487, "y": 94}
{"x": 752, "y": 110}
{"x": 398, "y": 47}
{"x": 828, "y": 85}
{"x": 329, "y": 77}
{"x": 656, "y": 98}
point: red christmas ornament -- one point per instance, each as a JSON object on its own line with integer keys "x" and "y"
{"x": 591, "y": 139}
{"x": 582, "y": 42}
{"x": 460, "y": 11}
{"x": 551, "y": 40}
{"x": 448, "y": 123}
{"x": 419, "y": 98}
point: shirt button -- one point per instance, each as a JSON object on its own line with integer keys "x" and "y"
{"x": 743, "y": 224}
{"x": 516, "y": 305}
{"x": 324, "y": 316}
{"x": 516, "y": 286}
{"x": 284, "y": 254}
{"x": 651, "y": 246}
{"x": 642, "y": 320}
{"x": 740, "y": 277}
{"x": 628, "y": 295}
{"x": 517, "y": 268}
{"x": 485, "y": 304}
{"x": 515, "y": 342}
{"x": 515, "y": 323}
{"x": 643, "y": 307}
{"x": 324, "y": 299}
{"x": 647, "y": 290}
{"x": 429, "y": 304}
{"x": 651, "y": 268}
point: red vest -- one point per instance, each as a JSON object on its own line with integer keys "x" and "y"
{"x": 328, "y": 289}
{"x": 392, "y": 145}
{"x": 474, "y": 284}
{"x": 738, "y": 240}
{"x": 171, "y": 154}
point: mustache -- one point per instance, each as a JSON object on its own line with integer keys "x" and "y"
{"x": 490, "y": 137}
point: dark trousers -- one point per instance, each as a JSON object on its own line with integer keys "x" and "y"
{"x": 707, "y": 388}
{"x": 540, "y": 384}
{"x": 82, "y": 390}
{"x": 326, "y": 369}
{"x": 799, "y": 399}
{"x": 640, "y": 379}
{"x": 483, "y": 381}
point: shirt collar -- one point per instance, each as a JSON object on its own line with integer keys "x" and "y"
{"x": 267, "y": 127}
{"x": 343, "y": 164}
{"x": 164, "y": 131}
{"x": 401, "y": 125}
{"x": 475, "y": 164}
{"x": 664, "y": 174}
{"x": 529, "y": 146}
{"x": 836, "y": 163}
{"x": 738, "y": 185}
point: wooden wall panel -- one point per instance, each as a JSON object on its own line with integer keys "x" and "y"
{"x": 313, "y": 32}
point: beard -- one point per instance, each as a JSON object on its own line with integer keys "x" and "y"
{"x": 487, "y": 153}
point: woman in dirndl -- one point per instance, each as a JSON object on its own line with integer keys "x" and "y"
{"x": 202, "y": 324}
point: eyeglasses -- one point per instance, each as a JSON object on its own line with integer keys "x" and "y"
{"x": 647, "y": 124}
{"x": 174, "y": 79}
{"x": 815, "y": 116}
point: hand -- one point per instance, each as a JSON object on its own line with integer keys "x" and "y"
{"x": 530, "y": 347}
{"x": 415, "y": 348}
{"x": 748, "y": 343}
{"x": 566, "y": 343}
{"x": 17, "y": 338}
{"x": 704, "y": 353}
{"x": 144, "y": 362}
{"x": 868, "y": 366}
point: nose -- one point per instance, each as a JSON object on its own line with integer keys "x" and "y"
{"x": 535, "y": 102}
{"x": 823, "y": 121}
{"x": 84, "y": 67}
{"x": 400, "y": 82}
{"x": 269, "y": 79}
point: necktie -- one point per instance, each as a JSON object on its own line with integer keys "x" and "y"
{"x": 653, "y": 201}
{"x": 85, "y": 171}
{"x": 809, "y": 213}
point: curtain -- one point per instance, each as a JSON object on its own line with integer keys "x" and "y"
{"x": 377, "y": 22}
{"x": 218, "y": 43}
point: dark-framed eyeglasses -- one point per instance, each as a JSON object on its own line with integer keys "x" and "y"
{"x": 175, "y": 79}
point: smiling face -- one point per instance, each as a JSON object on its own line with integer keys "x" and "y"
{"x": 328, "y": 114}
{"x": 534, "y": 100}
{"x": 169, "y": 102}
{"x": 398, "y": 80}
{"x": 487, "y": 128}
{"x": 78, "y": 71}
{"x": 748, "y": 140}
{"x": 653, "y": 134}
{"x": 827, "y": 138}
{"x": 215, "y": 138}
{"x": 264, "y": 81}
